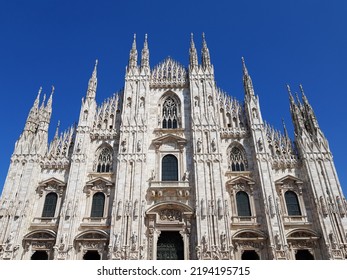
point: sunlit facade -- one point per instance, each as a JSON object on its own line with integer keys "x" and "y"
{"x": 171, "y": 167}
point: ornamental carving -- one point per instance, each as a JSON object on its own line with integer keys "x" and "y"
{"x": 50, "y": 187}
{"x": 169, "y": 73}
{"x": 98, "y": 186}
{"x": 170, "y": 215}
{"x": 300, "y": 234}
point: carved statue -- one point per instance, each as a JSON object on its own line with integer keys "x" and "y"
{"x": 133, "y": 240}
{"x": 186, "y": 176}
{"x": 139, "y": 145}
{"x": 152, "y": 175}
{"x": 204, "y": 242}
{"x": 213, "y": 145}
{"x": 223, "y": 239}
{"x": 198, "y": 144}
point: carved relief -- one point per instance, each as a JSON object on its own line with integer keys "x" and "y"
{"x": 170, "y": 215}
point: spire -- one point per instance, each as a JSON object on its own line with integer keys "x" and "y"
{"x": 37, "y": 100}
{"x": 33, "y": 116}
{"x": 43, "y": 102}
{"x": 49, "y": 102}
{"x": 291, "y": 98}
{"x": 193, "y": 56}
{"x": 247, "y": 80}
{"x": 35, "y": 107}
{"x": 205, "y": 53}
{"x": 133, "y": 55}
{"x": 93, "y": 81}
{"x": 303, "y": 96}
{"x": 56, "y": 135}
{"x": 145, "y": 55}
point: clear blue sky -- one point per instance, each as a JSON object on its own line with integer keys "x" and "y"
{"x": 51, "y": 42}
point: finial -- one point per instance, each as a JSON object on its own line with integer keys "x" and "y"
{"x": 304, "y": 98}
{"x": 204, "y": 40}
{"x": 290, "y": 94}
{"x": 244, "y": 68}
{"x": 37, "y": 100}
{"x": 52, "y": 90}
{"x": 288, "y": 88}
{"x": 145, "y": 45}
{"x": 134, "y": 42}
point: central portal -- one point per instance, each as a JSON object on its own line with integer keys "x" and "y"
{"x": 170, "y": 246}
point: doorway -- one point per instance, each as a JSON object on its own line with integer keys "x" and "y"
{"x": 250, "y": 255}
{"x": 303, "y": 255}
{"x": 170, "y": 246}
{"x": 39, "y": 255}
{"x": 91, "y": 255}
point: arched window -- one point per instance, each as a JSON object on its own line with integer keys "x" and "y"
{"x": 243, "y": 206}
{"x": 238, "y": 160}
{"x": 292, "y": 202}
{"x": 105, "y": 160}
{"x": 50, "y": 205}
{"x": 98, "y": 205}
{"x": 169, "y": 114}
{"x": 169, "y": 168}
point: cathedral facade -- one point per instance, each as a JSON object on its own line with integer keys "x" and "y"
{"x": 172, "y": 167}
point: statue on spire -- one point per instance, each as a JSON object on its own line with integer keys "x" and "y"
{"x": 205, "y": 53}
{"x": 247, "y": 80}
{"x": 145, "y": 55}
{"x": 133, "y": 55}
{"x": 93, "y": 81}
{"x": 193, "y": 56}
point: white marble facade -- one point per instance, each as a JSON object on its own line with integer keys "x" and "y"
{"x": 172, "y": 160}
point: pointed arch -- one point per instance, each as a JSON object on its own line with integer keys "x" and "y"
{"x": 170, "y": 111}
{"x": 104, "y": 159}
{"x": 237, "y": 157}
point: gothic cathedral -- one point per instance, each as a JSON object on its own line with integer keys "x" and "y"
{"x": 171, "y": 167}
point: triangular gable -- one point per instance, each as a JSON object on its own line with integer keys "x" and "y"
{"x": 53, "y": 180}
{"x": 240, "y": 178}
{"x": 169, "y": 138}
{"x": 92, "y": 182}
{"x": 290, "y": 178}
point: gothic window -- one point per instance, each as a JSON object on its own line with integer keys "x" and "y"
{"x": 50, "y": 205}
{"x": 104, "y": 160}
{"x": 169, "y": 168}
{"x": 237, "y": 159}
{"x": 243, "y": 206}
{"x": 292, "y": 202}
{"x": 98, "y": 205}
{"x": 169, "y": 114}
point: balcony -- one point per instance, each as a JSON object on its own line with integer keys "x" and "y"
{"x": 95, "y": 222}
{"x": 244, "y": 221}
{"x": 44, "y": 222}
{"x": 295, "y": 220}
{"x": 169, "y": 190}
